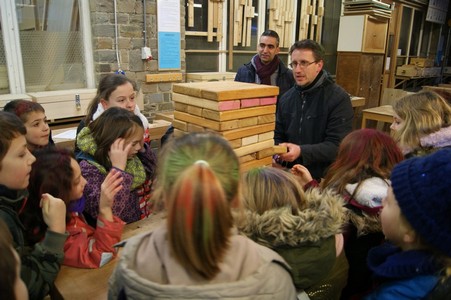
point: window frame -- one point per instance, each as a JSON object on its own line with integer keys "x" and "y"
{"x": 13, "y": 52}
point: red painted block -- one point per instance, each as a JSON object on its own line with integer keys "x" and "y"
{"x": 268, "y": 100}
{"x": 250, "y": 102}
{"x": 229, "y": 105}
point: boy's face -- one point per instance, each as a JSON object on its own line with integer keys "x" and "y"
{"x": 37, "y": 129}
{"x": 394, "y": 225}
{"x": 16, "y": 165}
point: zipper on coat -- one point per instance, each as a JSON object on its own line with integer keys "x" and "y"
{"x": 302, "y": 112}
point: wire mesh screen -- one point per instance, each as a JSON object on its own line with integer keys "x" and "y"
{"x": 4, "y": 84}
{"x": 52, "y": 60}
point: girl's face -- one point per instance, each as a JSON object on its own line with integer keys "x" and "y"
{"x": 397, "y": 124}
{"x": 20, "y": 289}
{"x": 394, "y": 225}
{"x": 15, "y": 167}
{"x": 37, "y": 129}
{"x": 78, "y": 181}
{"x": 123, "y": 96}
{"x": 136, "y": 139}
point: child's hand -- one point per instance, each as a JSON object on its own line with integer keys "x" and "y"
{"x": 108, "y": 190}
{"x": 302, "y": 174}
{"x": 54, "y": 213}
{"x": 119, "y": 153}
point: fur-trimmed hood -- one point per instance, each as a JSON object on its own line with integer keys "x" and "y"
{"x": 323, "y": 217}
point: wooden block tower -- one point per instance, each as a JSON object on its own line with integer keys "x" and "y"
{"x": 243, "y": 113}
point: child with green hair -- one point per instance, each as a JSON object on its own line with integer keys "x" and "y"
{"x": 198, "y": 253}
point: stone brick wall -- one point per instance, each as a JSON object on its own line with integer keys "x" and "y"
{"x": 157, "y": 96}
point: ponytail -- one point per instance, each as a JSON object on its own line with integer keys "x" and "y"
{"x": 199, "y": 220}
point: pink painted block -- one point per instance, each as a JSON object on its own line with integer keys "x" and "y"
{"x": 250, "y": 102}
{"x": 268, "y": 100}
{"x": 229, "y": 105}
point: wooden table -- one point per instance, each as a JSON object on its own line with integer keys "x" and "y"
{"x": 92, "y": 284}
{"x": 382, "y": 113}
{"x": 357, "y": 101}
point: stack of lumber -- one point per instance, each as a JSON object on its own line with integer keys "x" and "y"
{"x": 282, "y": 19}
{"x": 311, "y": 19}
{"x": 243, "y": 113}
{"x": 373, "y": 8}
{"x": 243, "y": 13}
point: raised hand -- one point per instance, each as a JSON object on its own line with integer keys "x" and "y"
{"x": 54, "y": 213}
{"x": 108, "y": 190}
{"x": 119, "y": 153}
{"x": 302, "y": 174}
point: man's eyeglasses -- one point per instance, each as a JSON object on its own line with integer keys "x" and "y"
{"x": 303, "y": 64}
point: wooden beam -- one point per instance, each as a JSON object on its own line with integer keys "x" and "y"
{"x": 210, "y": 22}
{"x": 190, "y": 13}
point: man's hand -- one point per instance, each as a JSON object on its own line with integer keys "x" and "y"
{"x": 294, "y": 152}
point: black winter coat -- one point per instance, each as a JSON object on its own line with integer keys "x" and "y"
{"x": 317, "y": 119}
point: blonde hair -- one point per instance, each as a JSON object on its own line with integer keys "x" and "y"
{"x": 198, "y": 179}
{"x": 423, "y": 113}
{"x": 267, "y": 188}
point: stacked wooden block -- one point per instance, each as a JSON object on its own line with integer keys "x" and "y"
{"x": 243, "y": 113}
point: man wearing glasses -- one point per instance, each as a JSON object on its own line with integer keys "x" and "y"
{"x": 313, "y": 116}
{"x": 266, "y": 67}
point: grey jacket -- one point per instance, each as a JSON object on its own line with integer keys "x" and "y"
{"x": 146, "y": 270}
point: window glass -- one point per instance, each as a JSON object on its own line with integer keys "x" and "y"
{"x": 51, "y": 44}
{"x": 4, "y": 84}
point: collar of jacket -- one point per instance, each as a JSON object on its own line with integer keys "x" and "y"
{"x": 323, "y": 217}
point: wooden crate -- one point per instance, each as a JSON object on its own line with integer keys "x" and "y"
{"x": 421, "y": 62}
{"x": 61, "y": 104}
{"x": 6, "y": 98}
{"x": 409, "y": 71}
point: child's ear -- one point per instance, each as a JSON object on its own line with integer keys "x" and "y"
{"x": 104, "y": 103}
{"x": 410, "y": 236}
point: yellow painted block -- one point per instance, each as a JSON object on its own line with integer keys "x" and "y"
{"x": 249, "y": 140}
{"x": 247, "y": 131}
{"x": 235, "y": 143}
{"x": 270, "y": 118}
{"x": 239, "y": 113}
{"x": 253, "y": 148}
{"x": 247, "y": 158}
{"x": 246, "y": 122}
{"x": 218, "y": 126}
{"x": 180, "y": 125}
{"x": 267, "y": 161}
{"x": 266, "y": 136}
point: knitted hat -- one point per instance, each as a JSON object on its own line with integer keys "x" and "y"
{"x": 422, "y": 187}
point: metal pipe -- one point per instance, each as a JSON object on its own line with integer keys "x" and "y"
{"x": 144, "y": 21}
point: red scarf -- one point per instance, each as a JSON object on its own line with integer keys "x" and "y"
{"x": 264, "y": 72}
